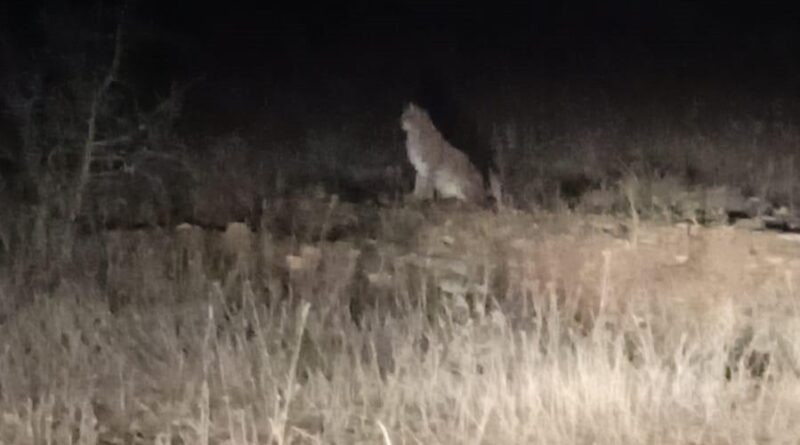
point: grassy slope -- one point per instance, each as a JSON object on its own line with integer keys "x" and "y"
{"x": 476, "y": 328}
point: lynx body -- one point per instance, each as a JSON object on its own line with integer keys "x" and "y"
{"x": 442, "y": 170}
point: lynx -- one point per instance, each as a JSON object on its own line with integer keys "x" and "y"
{"x": 441, "y": 168}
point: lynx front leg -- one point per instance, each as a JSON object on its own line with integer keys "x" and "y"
{"x": 423, "y": 187}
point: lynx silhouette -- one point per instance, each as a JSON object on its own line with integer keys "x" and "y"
{"x": 442, "y": 170}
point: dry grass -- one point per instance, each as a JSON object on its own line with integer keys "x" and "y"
{"x": 477, "y": 328}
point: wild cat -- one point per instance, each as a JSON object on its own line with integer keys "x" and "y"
{"x": 442, "y": 170}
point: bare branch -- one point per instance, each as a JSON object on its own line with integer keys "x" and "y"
{"x": 112, "y": 142}
{"x": 83, "y": 176}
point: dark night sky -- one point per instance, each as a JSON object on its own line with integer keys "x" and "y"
{"x": 364, "y": 52}
{"x": 661, "y": 29}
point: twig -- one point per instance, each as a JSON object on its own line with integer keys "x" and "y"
{"x": 385, "y": 433}
{"x": 279, "y": 425}
{"x": 82, "y": 179}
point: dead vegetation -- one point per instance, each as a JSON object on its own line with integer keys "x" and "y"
{"x": 616, "y": 305}
{"x": 448, "y": 324}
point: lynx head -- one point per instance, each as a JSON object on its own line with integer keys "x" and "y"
{"x": 414, "y": 118}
